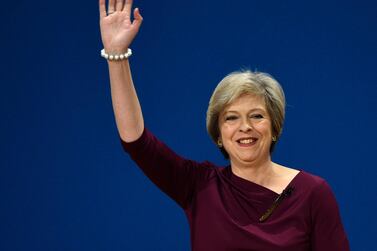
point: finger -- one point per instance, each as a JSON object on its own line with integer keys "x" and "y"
{"x": 102, "y": 9}
{"x": 128, "y": 6}
{"x": 111, "y": 7}
{"x": 138, "y": 19}
{"x": 119, "y": 5}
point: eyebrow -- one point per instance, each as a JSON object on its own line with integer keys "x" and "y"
{"x": 252, "y": 110}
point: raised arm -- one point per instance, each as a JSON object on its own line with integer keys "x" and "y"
{"x": 118, "y": 32}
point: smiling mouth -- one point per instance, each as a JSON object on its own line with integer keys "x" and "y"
{"x": 247, "y": 141}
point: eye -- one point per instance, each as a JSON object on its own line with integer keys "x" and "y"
{"x": 231, "y": 117}
{"x": 256, "y": 116}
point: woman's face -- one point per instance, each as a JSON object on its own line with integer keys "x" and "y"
{"x": 245, "y": 130}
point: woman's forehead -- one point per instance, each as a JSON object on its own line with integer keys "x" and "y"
{"x": 246, "y": 102}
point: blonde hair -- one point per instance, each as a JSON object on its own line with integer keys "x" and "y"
{"x": 247, "y": 82}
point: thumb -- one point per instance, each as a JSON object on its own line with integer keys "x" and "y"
{"x": 138, "y": 19}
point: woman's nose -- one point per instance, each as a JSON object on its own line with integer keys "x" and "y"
{"x": 245, "y": 126}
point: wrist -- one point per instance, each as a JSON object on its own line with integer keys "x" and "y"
{"x": 114, "y": 50}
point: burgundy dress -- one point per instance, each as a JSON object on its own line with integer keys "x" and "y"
{"x": 223, "y": 209}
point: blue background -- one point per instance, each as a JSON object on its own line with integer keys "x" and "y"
{"x": 66, "y": 184}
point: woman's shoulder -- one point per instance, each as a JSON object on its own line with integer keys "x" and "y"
{"x": 311, "y": 179}
{"x": 298, "y": 177}
{"x": 312, "y": 184}
{"x": 302, "y": 175}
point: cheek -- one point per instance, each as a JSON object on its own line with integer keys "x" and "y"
{"x": 264, "y": 128}
{"x": 226, "y": 130}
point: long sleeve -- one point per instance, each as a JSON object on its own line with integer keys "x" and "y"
{"x": 328, "y": 233}
{"x": 178, "y": 177}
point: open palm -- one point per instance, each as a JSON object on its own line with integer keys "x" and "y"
{"x": 117, "y": 30}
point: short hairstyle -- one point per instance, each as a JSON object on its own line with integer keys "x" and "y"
{"x": 247, "y": 82}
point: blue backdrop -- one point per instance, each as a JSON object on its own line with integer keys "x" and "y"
{"x": 66, "y": 184}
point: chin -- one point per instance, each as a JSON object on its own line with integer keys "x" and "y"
{"x": 247, "y": 159}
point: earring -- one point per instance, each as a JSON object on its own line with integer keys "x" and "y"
{"x": 219, "y": 143}
{"x": 273, "y": 138}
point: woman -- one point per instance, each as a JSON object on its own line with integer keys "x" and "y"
{"x": 252, "y": 204}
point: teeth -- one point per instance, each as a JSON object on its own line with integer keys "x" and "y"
{"x": 246, "y": 141}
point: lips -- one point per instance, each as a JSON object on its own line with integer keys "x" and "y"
{"x": 249, "y": 141}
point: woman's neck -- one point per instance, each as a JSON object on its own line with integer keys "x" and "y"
{"x": 259, "y": 173}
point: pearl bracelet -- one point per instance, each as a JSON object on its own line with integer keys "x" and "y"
{"x": 116, "y": 57}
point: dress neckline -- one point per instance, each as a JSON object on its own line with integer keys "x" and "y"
{"x": 251, "y": 186}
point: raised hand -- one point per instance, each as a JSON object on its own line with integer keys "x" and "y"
{"x": 117, "y": 30}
